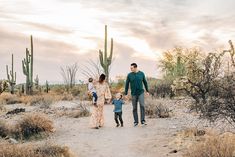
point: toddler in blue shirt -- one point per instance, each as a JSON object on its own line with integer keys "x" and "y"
{"x": 118, "y": 102}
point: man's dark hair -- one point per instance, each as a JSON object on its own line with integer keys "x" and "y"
{"x": 134, "y": 65}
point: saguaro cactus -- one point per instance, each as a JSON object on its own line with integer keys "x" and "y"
{"x": 106, "y": 60}
{"x": 47, "y": 87}
{"x": 11, "y": 76}
{"x": 22, "y": 88}
{"x": 36, "y": 82}
{"x": 27, "y": 65}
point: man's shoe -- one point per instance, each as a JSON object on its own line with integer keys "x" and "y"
{"x": 117, "y": 125}
{"x": 143, "y": 123}
{"x": 121, "y": 125}
{"x": 135, "y": 124}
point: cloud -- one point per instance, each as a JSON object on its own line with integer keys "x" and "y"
{"x": 47, "y": 28}
{"x": 72, "y": 31}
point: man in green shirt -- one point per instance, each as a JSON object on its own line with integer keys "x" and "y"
{"x": 136, "y": 79}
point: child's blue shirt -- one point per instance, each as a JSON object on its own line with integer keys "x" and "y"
{"x": 118, "y": 105}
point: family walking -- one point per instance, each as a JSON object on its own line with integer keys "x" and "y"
{"x": 101, "y": 93}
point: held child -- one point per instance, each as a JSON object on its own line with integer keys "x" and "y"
{"x": 92, "y": 91}
{"x": 118, "y": 102}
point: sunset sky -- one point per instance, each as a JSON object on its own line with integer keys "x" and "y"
{"x": 69, "y": 31}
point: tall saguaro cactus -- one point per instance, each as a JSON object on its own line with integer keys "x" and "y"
{"x": 11, "y": 75}
{"x": 27, "y": 65}
{"x": 106, "y": 60}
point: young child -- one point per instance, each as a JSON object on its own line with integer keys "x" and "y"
{"x": 118, "y": 102}
{"x": 92, "y": 90}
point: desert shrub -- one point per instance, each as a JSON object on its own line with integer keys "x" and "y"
{"x": 66, "y": 97}
{"x": 117, "y": 87}
{"x": 75, "y": 91}
{"x": 80, "y": 111}
{"x": 213, "y": 146}
{"x": 57, "y": 89}
{"x": 33, "y": 150}
{"x": 9, "y": 98}
{"x": 154, "y": 109}
{"x": 192, "y": 132}
{"x": 32, "y": 125}
{"x": 3, "y": 86}
{"x": 212, "y": 91}
{"x": 43, "y": 101}
{"x": 161, "y": 89}
{"x": 53, "y": 151}
{"x": 221, "y": 105}
{"x": 2, "y": 105}
{"x": 3, "y": 129}
{"x": 69, "y": 76}
{"x": 83, "y": 111}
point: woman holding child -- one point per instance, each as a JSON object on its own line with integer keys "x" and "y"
{"x": 103, "y": 93}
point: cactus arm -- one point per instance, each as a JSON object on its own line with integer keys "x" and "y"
{"x": 111, "y": 53}
{"x": 31, "y": 57}
{"x": 8, "y": 77}
{"x": 105, "y": 42}
{"x": 101, "y": 58}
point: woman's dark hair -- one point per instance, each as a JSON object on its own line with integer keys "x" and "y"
{"x": 134, "y": 65}
{"x": 102, "y": 78}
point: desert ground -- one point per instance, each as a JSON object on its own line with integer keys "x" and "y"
{"x": 161, "y": 137}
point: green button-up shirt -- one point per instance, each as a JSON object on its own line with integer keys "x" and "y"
{"x": 136, "y": 80}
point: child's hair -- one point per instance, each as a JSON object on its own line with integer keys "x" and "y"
{"x": 90, "y": 79}
{"x": 119, "y": 94}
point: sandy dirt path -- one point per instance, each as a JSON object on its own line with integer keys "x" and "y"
{"x": 148, "y": 141}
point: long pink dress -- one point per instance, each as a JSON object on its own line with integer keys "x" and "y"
{"x": 97, "y": 116}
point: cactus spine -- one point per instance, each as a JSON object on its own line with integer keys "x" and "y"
{"x": 11, "y": 76}
{"x": 27, "y": 65}
{"x": 106, "y": 60}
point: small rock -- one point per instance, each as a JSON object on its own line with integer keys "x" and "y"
{"x": 13, "y": 141}
{"x": 173, "y": 127}
{"x": 173, "y": 151}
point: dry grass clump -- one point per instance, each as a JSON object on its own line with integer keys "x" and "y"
{"x": 33, "y": 124}
{"x": 213, "y": 146}
{"x": 8, "y": 98}
{"x": 33, "y": 150}
{"x": 192, "y": 132}
{"x": 3, "y": 129}
{"x": 80, "y": 111}
{"x": 75, "y": 91}
{"x": 2, "y": 105}
{"x": 43, "y": 100}
{"x": 66, "y": 97}
{"x": 155, "y": 109}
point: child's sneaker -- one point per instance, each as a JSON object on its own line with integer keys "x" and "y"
{"x": 95, "y": 104}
